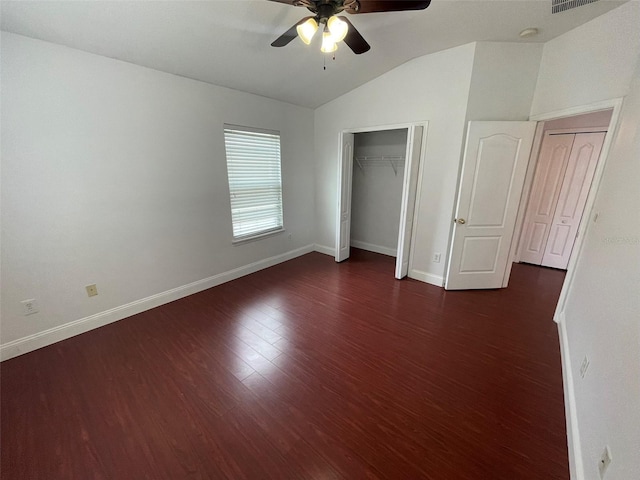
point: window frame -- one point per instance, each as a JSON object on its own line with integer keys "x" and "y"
{"x": 265, "y": 232}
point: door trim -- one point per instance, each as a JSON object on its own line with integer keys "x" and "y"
{"x": 423, "y": 149}
{"x": 616, "y": 105}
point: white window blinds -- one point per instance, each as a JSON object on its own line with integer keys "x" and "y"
{"x": 255, "y": 180}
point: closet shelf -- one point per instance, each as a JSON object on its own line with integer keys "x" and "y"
{"x": 396, "y": 162}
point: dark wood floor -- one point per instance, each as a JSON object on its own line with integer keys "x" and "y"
{"x": 307, "y": 370}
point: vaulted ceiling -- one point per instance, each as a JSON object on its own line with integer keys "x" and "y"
{"x": 227, "y": 42}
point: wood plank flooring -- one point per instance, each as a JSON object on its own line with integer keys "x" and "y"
{"x": 307, "y": 370}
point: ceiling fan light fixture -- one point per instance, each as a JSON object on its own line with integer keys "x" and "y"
{"x": 328, "y": 43}
{"x": 338, "y": 28}
{"x": 307, "y": 30}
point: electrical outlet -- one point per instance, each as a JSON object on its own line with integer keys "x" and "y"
{"x": 92, "y": 290}
{"x": 437, "y": 257}
{"x": 29, "y": 307}
{"x": 584, "y": 367}
{"x": 605, "y": 460}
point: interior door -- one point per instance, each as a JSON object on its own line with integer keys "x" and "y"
{"x": 343, "y": 228}
{"x": 573, "y": 196}
{"x": 408, "y": 202}
{"x": 552, "y": 164}
{"x": 493, "y": 170}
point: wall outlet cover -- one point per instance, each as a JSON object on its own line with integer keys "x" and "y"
{"x": 92, "y": 290}
{"x": 29, "y": 306}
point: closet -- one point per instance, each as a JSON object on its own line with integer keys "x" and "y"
{"x": 562, "y": 180}
{"x": 378, "y": 177}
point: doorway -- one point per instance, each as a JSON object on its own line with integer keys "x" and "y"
{"x": 569, "y": 154}
{"x": 520, "y": 198}
{"x": 378, "y": 180}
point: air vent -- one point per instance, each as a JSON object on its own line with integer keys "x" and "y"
{"x": 558, "y": 6}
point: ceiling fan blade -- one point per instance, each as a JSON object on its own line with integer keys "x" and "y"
{"x": 288, "y": 2}
{"x": 289, "y": 35}
{"x": 354, "y": 40}
{"x": 372, "y": 6}
{"x": 298, "y": 3}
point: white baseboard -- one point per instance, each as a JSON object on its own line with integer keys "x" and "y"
{"x": 430, "y": 278}
{"x": 374, "y": 248}
{"x": 76, "y": 327}
{"x": 331, "y": 251}
{"x": 576, "y": 466}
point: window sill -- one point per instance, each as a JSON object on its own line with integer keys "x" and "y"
{"x": 259, "y": 236}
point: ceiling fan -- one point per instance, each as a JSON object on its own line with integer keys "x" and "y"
{"x": 334, "y": 28}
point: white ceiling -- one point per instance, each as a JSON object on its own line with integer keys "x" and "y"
{"x": 227, "y": 42}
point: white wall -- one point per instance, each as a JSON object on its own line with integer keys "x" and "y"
{"x": 602, "y": 314}
{"x": 434, "y": 88}
{"x": 590, "y": 63}
{"x": 503, "y": 81}
{"x": 377, "y": 190}
{"x": 115, "y": 174}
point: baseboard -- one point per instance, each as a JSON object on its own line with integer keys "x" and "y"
{"x": 324, "y": 249}
{"x": 76, "y": 327}
{"x": 576, "y": 468}
{"x": 374, "y": 248}
{"x": 430, "y": 278}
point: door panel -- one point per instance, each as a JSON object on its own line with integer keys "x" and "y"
{"x": 552, "y": 163}
{"x": 493, "y": 171}
{"x": 479, "y": 254}
{"x": 572, "y": 198}
{"x": 343, "y": 229}
{"x": 493, "y": 180}
{"x": 409, "y": 191}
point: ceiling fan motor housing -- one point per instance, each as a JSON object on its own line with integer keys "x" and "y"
{"x": 326, "y": 11}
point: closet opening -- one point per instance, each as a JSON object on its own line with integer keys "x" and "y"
{"x": 378, "y": 187}
{"x": 377, "y": 178}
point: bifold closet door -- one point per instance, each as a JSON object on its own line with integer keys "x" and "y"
{"x": 343, "y": 227}
{"x": 552, "y": 164}
{"x": 572, "y": 198}
{"x": 408, "y": 202}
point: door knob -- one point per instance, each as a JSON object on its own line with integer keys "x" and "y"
{"x": 461, "y": 221}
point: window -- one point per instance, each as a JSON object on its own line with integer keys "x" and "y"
{"x": 255, "y": 180}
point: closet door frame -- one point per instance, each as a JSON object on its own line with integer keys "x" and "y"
{"x": 414, "y": 218}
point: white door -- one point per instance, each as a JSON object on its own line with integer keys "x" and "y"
{"x": 493, "y": 171}
{"x": 573, "y": 196}
{"x": 407, "y": 206}
{"x": 552, "y": 163}
{"x": 343, "y": 228}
